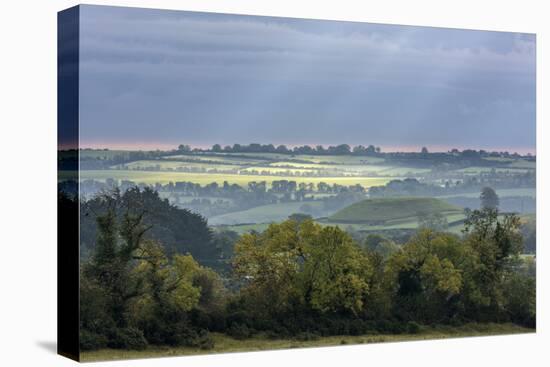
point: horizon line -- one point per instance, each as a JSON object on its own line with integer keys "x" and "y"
{"x": 434, "y": 148}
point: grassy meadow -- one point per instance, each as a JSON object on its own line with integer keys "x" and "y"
{"x": 261, "y": 214}
{"x": 503, "y": 193}
{"x": 388, "y": 209}
{"x": 226, "y": 344}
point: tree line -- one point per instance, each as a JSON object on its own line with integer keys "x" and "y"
{"x": 346, "y": 149}
{"x": 341, "y": 149}
{"x": 297, "y": 279}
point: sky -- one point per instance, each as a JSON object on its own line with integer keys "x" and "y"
{"x": 156, "y": 79}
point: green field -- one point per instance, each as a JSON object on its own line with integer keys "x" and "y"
{"x": 368, "y": 215}
{"x": 262, "y": 214}
{"x": 227, "y": 344}
{"x": 215, "y": 158}
{"x": 455, "y": 223}
{"x": 346, "y": 166}
{"x": 241, "y": 168}
{"x": 523, "y": 164}
{"x": 531, "y": 192}
{"x": 245, "y": 228}
{"x": 279, "y": 170}
{"x": 477, "y": 170}
{"x": 152, "y": 177}
{"x": 276, "y": 164}
{"x": 327, "y": 159}
{"x": 392, "y": 209}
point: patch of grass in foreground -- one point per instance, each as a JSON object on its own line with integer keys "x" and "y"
{"x": 226, "y": 344}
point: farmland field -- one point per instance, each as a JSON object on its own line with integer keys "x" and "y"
{"x": 299, "y": 165}
{"x": 262, "y": 214}
{"x": 295, "y": 166}
{"x": 204, "y": 168}
{"x": 530, "y": 192}
{"x": 151, "y": 177}
{"x": 167, "y": 165}
{"x": 317, "y": 159}
{"x": 228, "y": 211}
{"x": 373, "y": 217}
{"x": 455, "y": 221}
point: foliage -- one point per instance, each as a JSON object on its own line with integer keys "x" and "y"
{"x": 529, "y": 233}
{"x": 179, "y": 230}
{"x": 133, "y": 295}
{"x": 297, "y": 279}
{"x": 519, "y": 291}
{"x": 302, "y": 264}
{"x": 424, "y": 277}
{"x": 496, "y": 242}
{"x": 489, "y": 198}
{"x": 434, "y": 221}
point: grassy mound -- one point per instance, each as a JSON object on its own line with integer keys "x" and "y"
{"x": 389, "y": 209}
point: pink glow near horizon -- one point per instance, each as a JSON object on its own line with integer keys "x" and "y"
{"x": 146, "y": 146}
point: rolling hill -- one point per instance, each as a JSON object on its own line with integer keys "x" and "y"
{"x": 392, "y": 209}
{"x": 262, "y": 214}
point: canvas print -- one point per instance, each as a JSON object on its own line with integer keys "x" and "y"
{"x": 234, "y": 183}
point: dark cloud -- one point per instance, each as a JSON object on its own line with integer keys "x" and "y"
{"x": 201, "y": 78}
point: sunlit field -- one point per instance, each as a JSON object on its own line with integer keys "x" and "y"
{"x": 150, "y": 177}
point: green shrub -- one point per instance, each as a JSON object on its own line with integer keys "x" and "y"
{"x": 200, "y": 318}
{"x": 180, "y": 333}
{"x": 128, "y": 338}
{"x": 239, "y": 331}
{"x": 357, "y": 327}
{"x": 91, "y": 341}
{"x": 413, "y": 327}
{"x": 383, "y": 326}
{"x": 520, "y": 296}
{"x": 204, "y": 341}
{"x": 238, "y": 317}
{"x": 277, "y": 332}
{"x": 398, "y": 327}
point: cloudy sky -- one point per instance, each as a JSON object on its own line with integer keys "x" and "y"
{"x": 155, "y": 79}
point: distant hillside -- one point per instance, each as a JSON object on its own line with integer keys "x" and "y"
{"x": 388, "y": 209}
